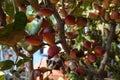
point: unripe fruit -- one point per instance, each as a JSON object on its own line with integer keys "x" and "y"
{"x": 92, "y": 57}
{"x": 45, "y": 11}
{"x": 99, "y": 51}
{"x": 49, "y": 35}
{"x": 53, "y": 50}
{"x": 87, "y": 44}
{"x": 93, "y": 15}
{"x": 81, "y": 21}
{"x": 54, "y": 1}
{"x": 34, "y": 40}
{"x": 70, "y": 20}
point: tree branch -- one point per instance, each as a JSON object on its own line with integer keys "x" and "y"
{"x": 108, "y": 46}
{"x": 61, "y": 31}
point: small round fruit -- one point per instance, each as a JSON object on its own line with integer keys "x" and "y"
{"x": 71, "y": 35}
{"x": 93, "y": 15}
{"x": 49, "y": 35}
{"x": 70, "y": 19}
{"x": 34, "y": 40}
{"x": 73, "y": 53}
{"x": 80, "y": 70}
{"x": 115, "y": 15}
{"x": 45, "y": 11}
{"x": 87, "y": 44}
{"x": 92, "y": 57}
{"x": 81, "y": 21}
{"x": 53, "y": 50}
{"x": 99, "y": 51}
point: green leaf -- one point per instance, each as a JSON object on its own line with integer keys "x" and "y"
{"x": 9, "y": 9}
{"x": 86, "y": 3}
{"x": 22, "y": 61}
{"x": 2, "y": 77}
{"x": 78, "y": 12}
{"x": 80, "y": 33}
{"x": 5, "y": 65}
{"x": 20, "y": 21}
